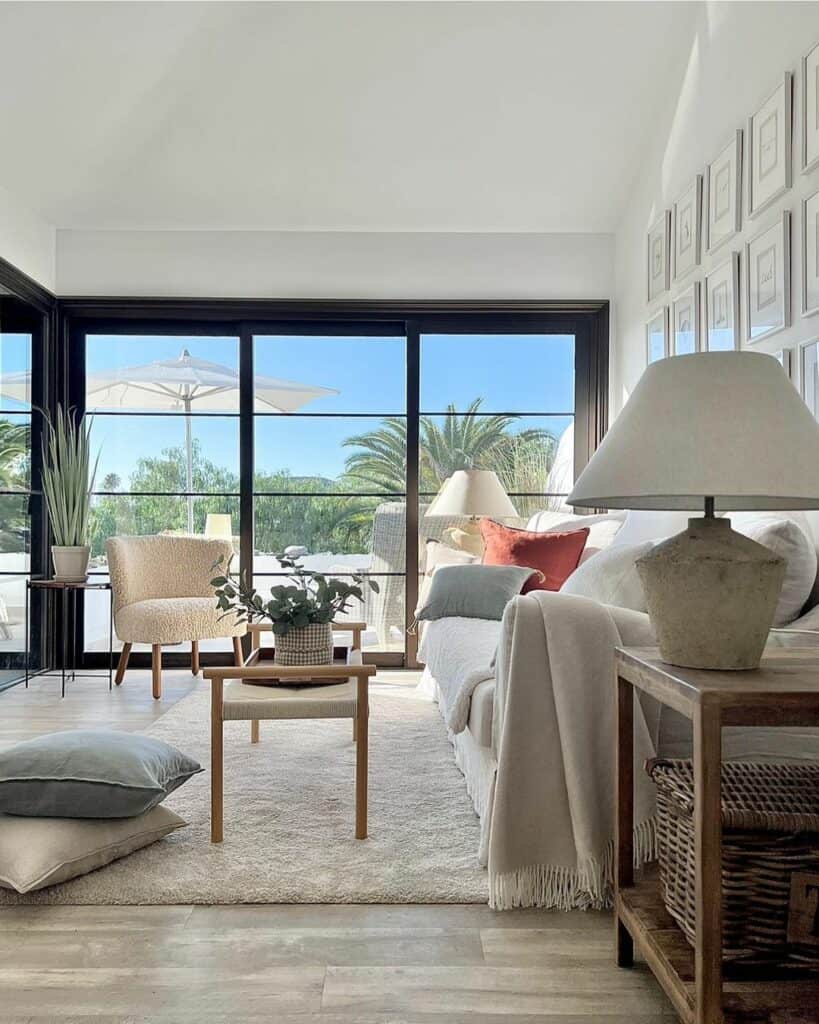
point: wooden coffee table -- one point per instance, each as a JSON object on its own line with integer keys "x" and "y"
{"x": 259, "y": 690}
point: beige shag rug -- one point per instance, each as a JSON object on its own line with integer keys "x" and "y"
{"x": 289, "y": 817}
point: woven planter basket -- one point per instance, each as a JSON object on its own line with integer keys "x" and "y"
{"x": 309, "y": 645}
{"x": 770, "y": 823}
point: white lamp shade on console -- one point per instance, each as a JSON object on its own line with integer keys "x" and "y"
{"x": 218, "y": 524}
{"x": 720, "y": 431}
{"x": 472, "y": 492}
{"x": 726, "y": 425}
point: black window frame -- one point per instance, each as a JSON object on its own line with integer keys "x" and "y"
{"x": 28, "y": 307}
{"x": 587, "y": 321}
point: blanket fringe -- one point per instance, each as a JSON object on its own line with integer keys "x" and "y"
{"x": 588, "y": 887}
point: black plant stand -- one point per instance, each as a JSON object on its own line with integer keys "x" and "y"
{"x": 68, "y": 591}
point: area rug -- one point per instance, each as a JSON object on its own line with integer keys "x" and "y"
{"x": 289, "y": 817}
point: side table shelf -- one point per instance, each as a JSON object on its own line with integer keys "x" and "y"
{"x": 784, "y": 691}
{"x": 66, "y": 588}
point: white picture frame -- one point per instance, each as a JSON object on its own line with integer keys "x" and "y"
{"x": 687, "y": 221}
{"x": 810, "y": 110}
{"x": 685, "y": 321}
{"x": 784, "y": 356}
{"x": 658, "y": 255}
{"x": 723, "y": 194}
{"x": 770, "y": 148}
{"x": 809, "y": 375}
{"x": 810, "y": 255}
{"x": 768, "y": 281}
{"x": 657, "y": 336}
{"x": 722, "y": 306}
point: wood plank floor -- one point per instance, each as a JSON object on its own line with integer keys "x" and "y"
{"x": 293, "y": 964}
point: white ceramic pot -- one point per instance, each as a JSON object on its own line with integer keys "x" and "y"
{"x": 70, "y": 562}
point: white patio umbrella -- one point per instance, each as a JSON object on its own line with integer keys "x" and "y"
{"x": 177, "y": 385}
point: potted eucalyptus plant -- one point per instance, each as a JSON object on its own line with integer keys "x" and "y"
{"x": 68, "y": 480}
{"x": 301, "y": 611}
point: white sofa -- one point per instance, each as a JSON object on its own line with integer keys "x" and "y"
{"x": 459, "y": 655}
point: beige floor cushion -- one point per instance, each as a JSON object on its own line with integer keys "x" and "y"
{"x": 36, "y": 852}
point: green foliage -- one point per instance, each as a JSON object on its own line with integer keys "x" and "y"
{"x": 466, "y": 440}
{"x": 67, "y": 475}
{"x": 316, "y": 518}
{"x": 15, "y": 461}
{"x": 306, "y": 598}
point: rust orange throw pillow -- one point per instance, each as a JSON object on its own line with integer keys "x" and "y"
{"x": 556, "y": 555}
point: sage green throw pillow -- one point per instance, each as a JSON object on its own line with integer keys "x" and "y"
{"x": 472, "y": 591}
{"x": 90, "y": 774}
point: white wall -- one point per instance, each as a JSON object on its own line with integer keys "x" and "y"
{"x": 335, "y": 264}
{"x": 738, "y": 55}
{"x": 27, "y": 241}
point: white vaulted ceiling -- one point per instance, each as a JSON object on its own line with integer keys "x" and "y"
{"x": 333, "y": 116}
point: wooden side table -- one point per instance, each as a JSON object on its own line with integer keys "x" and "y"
{"x": 784, "y": 691}
{"x": 258, "y": 690}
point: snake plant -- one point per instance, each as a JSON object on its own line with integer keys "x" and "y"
{"x": 67, "y": 475}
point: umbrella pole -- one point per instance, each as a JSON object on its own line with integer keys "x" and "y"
{"x": 189, "y": 462}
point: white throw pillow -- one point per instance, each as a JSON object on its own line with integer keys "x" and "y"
{"x": 789, "y": 540}
{"x": 611, "y": 577}
{"x": 438, "y": 554}
{"x": 603, "y": 528}
{"x": 36, "y": 852}
{"x": 643, "y": 524}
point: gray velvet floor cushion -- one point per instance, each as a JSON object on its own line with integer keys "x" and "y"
{"x": 36, "y": 852}
{"x": 90, "y": 774}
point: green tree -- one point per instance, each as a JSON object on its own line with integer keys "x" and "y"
{"x": 15, "y": 459}
{"x": 465, "y": 440}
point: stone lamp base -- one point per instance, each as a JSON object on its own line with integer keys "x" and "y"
{"x": 711, "y": 595}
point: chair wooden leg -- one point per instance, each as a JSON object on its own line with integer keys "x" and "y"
{"x": 238, "y": 655}
{"x": 123, "y": 664}
{"x": 362, "y": 727}
{"x": 195, "y": 657}
{"x": 254, "y": 730}
{"x": 156, "y": 670}
{"x": 216, "y": 762}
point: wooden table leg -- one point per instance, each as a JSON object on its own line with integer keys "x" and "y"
{"x": 708, "y": 864}
{"x": 254, "y": 730}
{"x": 624, "y": 803}
{"x": 238, "y": 655}
{"x": 216, "y": 761}
{"x": 362, "y": 712}
{"x": 195, "y": 657}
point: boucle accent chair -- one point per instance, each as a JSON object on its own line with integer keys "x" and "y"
{"x": 162, "y": 595}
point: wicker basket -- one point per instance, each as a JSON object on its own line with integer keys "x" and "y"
{"x": 770, "y": 822}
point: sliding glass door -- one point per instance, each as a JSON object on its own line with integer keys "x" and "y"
{"x": 165, "y": 420}
{"x": 329, "y": 480}
{"x": 326, "y": 439}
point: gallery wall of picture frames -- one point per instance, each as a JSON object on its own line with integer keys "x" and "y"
{"x": 719, "y": 261}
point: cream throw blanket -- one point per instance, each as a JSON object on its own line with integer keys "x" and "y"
{"x": 552, "y": 828}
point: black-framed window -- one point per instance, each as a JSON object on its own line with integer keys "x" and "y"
{"x": 164, "y": 413}
{"x": 24, "y": 330}
{"x": 339, "y": 472}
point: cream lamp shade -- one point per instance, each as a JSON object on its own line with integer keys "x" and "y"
{"x": 472, "y": 492}
{"x": 723, "y": 425}
{"x": 218, "y": 524}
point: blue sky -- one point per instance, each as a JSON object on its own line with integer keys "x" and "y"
{"x": 513, "y": 373}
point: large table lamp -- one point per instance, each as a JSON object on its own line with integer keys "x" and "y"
{"x": 471, "y": 493}
{"x": 717, "y": 431}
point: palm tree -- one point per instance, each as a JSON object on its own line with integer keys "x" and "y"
{"x": 465, "y": 440}
{"x": 14, "y": 455}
